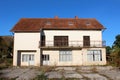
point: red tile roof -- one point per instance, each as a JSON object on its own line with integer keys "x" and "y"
{"x": 36, "y": 24}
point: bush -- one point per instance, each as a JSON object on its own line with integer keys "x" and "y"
{"x": 41, "y": 77}
{"x": 5, "y": 63}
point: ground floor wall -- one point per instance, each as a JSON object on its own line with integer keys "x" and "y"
{"x": 66, "y": 57}
{"x": 77, "y": 57}
{"x": 26, "y": 58}
{"x": 101, "y": 61}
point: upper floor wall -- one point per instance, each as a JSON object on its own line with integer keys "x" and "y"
{"x": 26, "y": 40}
{"x": 72, "y": 38}
{"x": 30, "y": 40}
{"x": 74, "y": 35}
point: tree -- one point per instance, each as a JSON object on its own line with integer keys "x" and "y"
{"x": 116, "y": 43}
{"x": 3, "y": 47}
{"x": 115, "y": 55}
{"x": 116, "y": 51}
{"x": 10, "y": 49}
{"x": 108, "y": 49}
{"x": 108, "y": 52}
{"x": 6, "y": 46}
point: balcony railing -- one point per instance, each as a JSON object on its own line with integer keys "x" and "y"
{"x": 72, "y": 44}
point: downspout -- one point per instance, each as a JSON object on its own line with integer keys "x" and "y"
{"x": 40, "y": 48}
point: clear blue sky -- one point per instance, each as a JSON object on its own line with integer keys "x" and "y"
{"x": 106, "y": 12}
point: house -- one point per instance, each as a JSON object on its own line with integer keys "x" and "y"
{"x": 58, "y": 41}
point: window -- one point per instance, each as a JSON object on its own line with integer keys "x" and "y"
{"x": 86, "y": 41}
{"x": 60, "y": 40}
{"x": 65, "y": 56}
{"x": 23, "y": 58}
{"x": 94, "y": 55}
{"x": 48, "y": 23}
{"x": 27, "y": 57}
{"x": 88, "y": 23}
{"x": 43, "y": 40}
{"x": 45, "y": 57}
{"x": 70, "y": 23}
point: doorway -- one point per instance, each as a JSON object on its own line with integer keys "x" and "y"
{"x": 19, "y": 58}
{"x": 45, "y": 59}
{"x": 28, "y": 59}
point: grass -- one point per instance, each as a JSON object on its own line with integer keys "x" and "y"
{"x": 5, "y": 63}
{"x": 41, "y": 77}
{"x": 94, "y": 69}
{"x": 7, "y": 79}
{"x": 43, "y": 70}
{"x": 46, "y": 68}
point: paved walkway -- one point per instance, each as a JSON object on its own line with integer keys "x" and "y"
{"x": 19, "y": 73}
{"x": 76, "y": 73}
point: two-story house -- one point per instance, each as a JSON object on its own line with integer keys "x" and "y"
{"x": 58, "y": 41}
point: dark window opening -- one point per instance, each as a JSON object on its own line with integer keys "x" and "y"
{"x": 60, "y": 40}
{"x": 42, "y": 40}
{"x": 86, "y": 41}
{"x": 45, "y": 57}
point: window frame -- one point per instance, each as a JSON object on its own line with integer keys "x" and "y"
{"x": 48, "y": 23}
{"x": 43, "y": 39}
{"x": 70, "y": 23}
{"x": 94, "y": 55}
{"x": 86, "y": 41}
{"x": 61, "y": 41}
{"x": 45, "y": 57}
{"x": 28, "y": 57}
{"x": 65, "y": 55}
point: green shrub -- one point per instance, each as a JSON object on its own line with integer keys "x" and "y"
{"x": 5, "y": 63}
{"x": 41, "y": 77}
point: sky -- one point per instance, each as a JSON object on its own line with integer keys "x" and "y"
{"x": 107, "y": 12}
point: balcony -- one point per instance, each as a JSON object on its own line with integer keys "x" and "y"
{"x": 71, "y": 44}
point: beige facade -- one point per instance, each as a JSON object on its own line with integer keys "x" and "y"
{"x": 26, "y": 43}
{"x": 79, "y": 57}
{"x": 28, "y": 52}
{"x": 73, "y": 35}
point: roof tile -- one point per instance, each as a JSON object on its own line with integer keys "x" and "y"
{"x": 36, "y": 24}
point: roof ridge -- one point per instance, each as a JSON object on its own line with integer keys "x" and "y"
{"x": 57, "y": 18}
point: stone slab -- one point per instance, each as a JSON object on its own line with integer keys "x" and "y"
{"x": 94, "y": 76}
{"x": 53, "y": 74}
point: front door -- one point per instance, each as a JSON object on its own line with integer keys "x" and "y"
{"x": 28, "y": 59}
{"x": 31, "y": 59}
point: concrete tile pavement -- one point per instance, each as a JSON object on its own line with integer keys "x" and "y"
{"x": 19, "y": 73}
{"x": 82, "y": 73}
{"x": 95, "y": 76}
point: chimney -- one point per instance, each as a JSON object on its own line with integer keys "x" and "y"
{"x": 56, "y": 17}
{"x": 76, "y": 17}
